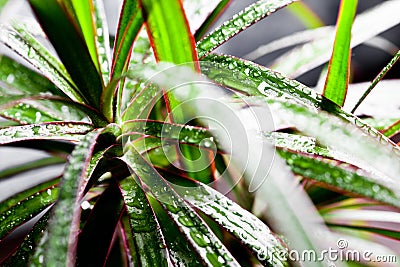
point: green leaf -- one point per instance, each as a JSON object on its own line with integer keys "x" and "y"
{"x": 24, "y": 206}
{"x": 201, "y": 14}
{"x": 143, "y": 225}
{"x": 184, "y": 133}
{"x": 99, "y": 229}
{"x": 172, "y": 41}
{"x": 2, "y": 4}
{"x": 377, "y": 79}
{"x": 348, "y": 139}
{"x": 251, "y": 231}
{"x": 58, "y": 247}
{"x": 298, "y": 143}
{"x": 20, "y": 258}
{"x": 54, "y": 18}
{"x": 31, "y": 50}
{"x": 50, "y": 131}
{"x": 337, "y": 79}
{"x": 31, "y": 165}
{"x": 30, "y": 109}
{"x": 82, "y": 12}
{"x": 90, "y": 16}
{"x": 24, "y": 113}
{"x": 239, "y": 22}
{"x": 339, "y": 176}
{"x": 211, "y": 18}
{"x": 18, "y": 79}
{"x": 205, "y": 243}
{"x": 309, "y": 56}
{"x": 141, "y": 105}
{"x": 169, "y": 31}
{"x": 251, "y": 79}
{"x": 180, "y": 253}
{"x": 130, "y": 23}
{"x": 392, "y": 129}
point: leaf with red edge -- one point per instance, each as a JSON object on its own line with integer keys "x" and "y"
{"x": 169, "y": 31}
{"x": 199, "y": 236}
{"x": 238, "y": 23}
{"x": 144, "y": 226}
{"x": 23, "y": 206}
{"x": 337, "y": 79}
{"x": 20, "y": 257}
{"x": 51, "y": 131}
{"x": 130, "y": 23}
{"x": 58, "y": 247}
{"x": 100, "y": 228}
{"x": 55, "y": 17}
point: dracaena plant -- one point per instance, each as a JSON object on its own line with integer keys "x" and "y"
{"x": 132, "y": 192}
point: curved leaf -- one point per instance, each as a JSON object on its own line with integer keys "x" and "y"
{"x": 99, "y": 229}
{"x": 338, "y": 73}
{"x": 180, "y": 253}
{"x": 25, "y": 205}
{"x": 51, "y": 130}
{"x": 24, "y": 113}
{"x": 58, "y": 247}
{"x": 205, "y": 243}
{"x": 129, "y": 25}
{"x": 377, "y": 79}
{"x": 348, "y": 139}
{"x": 20, "y": 258}
{"x": 251, "y": 231}
{"x": 30, "y": 109}
{"x": 54, "y": 18}
{"x": 339, "y": 177}
{"x": 31, "y": 165}
{"x": 143, "y": 225}
{"x": 239, "y": 22}
{"x": 17, "y": 79}
{"x": 254, "y": 80}
{"x": 19, "y": 40}
{"x": 168, "y": 31}
{"x": 91, "y": 18}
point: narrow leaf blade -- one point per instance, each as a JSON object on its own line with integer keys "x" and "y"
{"x": 59, "y": 246}
{"x": 25, "y": 205}
{"x": 239, "y": 22}
{"x": 190, "y": 224}
{"x": 71, "y": 48}
{"x": 143, "y": 224}
{"x": 169, "y": 31}
{"x": 337, "y": 79}
{"x": 50, "y": 131}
